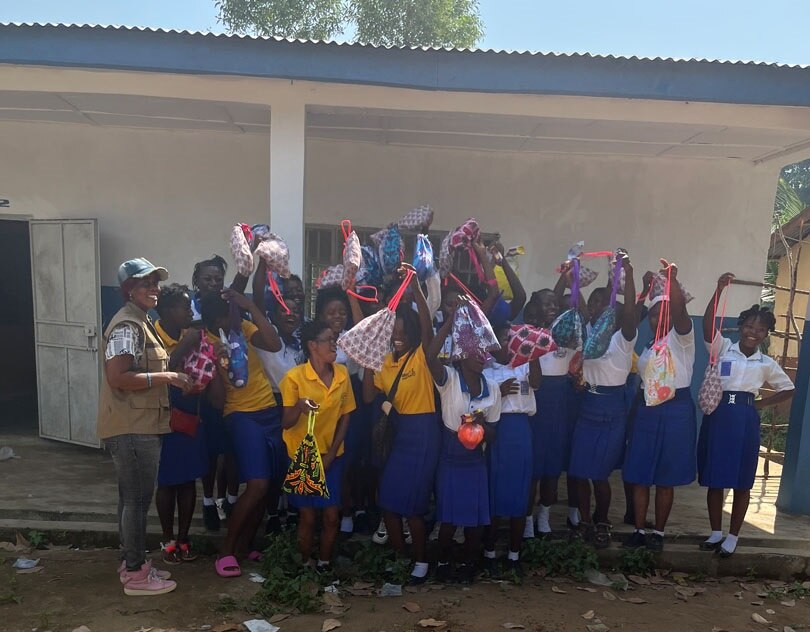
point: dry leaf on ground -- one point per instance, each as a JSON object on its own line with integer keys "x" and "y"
{"x": 757, "y": 603}
{"x": 637, "y": 579}
{"x": 82, "y": 628}
{"x": 635, "y": 600}
{"x": 559, "y": 591}
{"x": 716, "y": 629}
{"x": 331, "y": 599}
{"x": 588, "y": 615}
{"x": 586, "y": 589}
{"x": 609, "y": 596}
{"x": 513, "y": 626}
{"x": 432, "y": 623}
{"x": 769, "y": 611}
{"x": 330, "y": 624}
{"x": 597, "y": 627}
{"x": 758, "y": 618}
{"x": 410, "y": 606}
{"x": 788, "y": 602}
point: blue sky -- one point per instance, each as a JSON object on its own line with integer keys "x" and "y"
{"x": 759, "y": 30}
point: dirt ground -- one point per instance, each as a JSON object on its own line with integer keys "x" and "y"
{"x": 78, "y": 588}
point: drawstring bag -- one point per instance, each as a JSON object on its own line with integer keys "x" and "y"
{"x": 241, "y": 239}
{"x": 566, "y": 330}
{"x": 605, "y": 326}
{"x": 527, "y": 343}
{"x": 261, "y": 232}
{"x": 659, "y": 375}
{"x": 472, "y": 334}
{"x": 370, "y": 272}
{"x": 586, "y": 275}
{"x": 711, "y": 388}
{"x": 237, "y": 349}
{"x": 369, "y": 341}
{"x": 306, "y": 475}
{"x": 445, "y": 257}
{"x": 200, "y": 364}
{"x": 391, "y": 248}
{"x": 276, "y": 255}
{"x": 433, "y": 294}
{"x": 331, "y": 277}
{"x": 658, "y": 286}
{"x": 423, "y": 257}
{"x": 417, "y": 219}
{"x": 463, "y": 238}
{"x": 352, "y": 255}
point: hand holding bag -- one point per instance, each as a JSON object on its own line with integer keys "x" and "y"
{"x": 445, "y": 257}
{"x": 605, "y": 326}
{"x": 463, "y": 238}
{"x": 241, "y": 239}
{"x": 528, "y": 343}
{"x": 566, "y": 330}
{"x": 200, "y": 364}
{"x": 237, "y": 350}
{"x": 382, "y": 434}
{"x": 276, "y": 255}
{"x": 306, "y": 475}
{"x": 711, "y": 388}
{"x": 352, "y": 255}
{"x": 369, "y": 341}
{"x": 659, "y": 375}
{"x": 423, "y": 257}
{"x": 472, "y": 334}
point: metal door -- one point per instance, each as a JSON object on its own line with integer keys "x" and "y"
{"x": 67, "y": 317}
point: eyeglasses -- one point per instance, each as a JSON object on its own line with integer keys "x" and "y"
{"x": 330, "y": 340}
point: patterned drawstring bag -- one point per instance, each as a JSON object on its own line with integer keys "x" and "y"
{"x": 527, "y": 343}
{"x": 423, "y": 257}
{"x": 261, "y": 232}
{"x": 237, "y": 349}
{"x": 276, "y": 255}
{"x": 370, "y": 272}
{"x": 659, "y": 375}
{"x": 200, "y": 364}
{"x": 566, "y": 330}
{"x": 419, "y": 218}
{"x": 369, "y": 341}
{"x": 586, "y": 275}
{"x": 445, "y": 257}
{"x": 241, "y": 239}
{"x": 462, "y": 239}
{"x": 331, "y": 277}
{"x": 352, "y": 255}
{"x": 711, "y": 388}
{"x": 605, "y": 326}
{"x": 472, "y": 334}
{"x": 391, "y": 248}
{"x": 306, "y": 475}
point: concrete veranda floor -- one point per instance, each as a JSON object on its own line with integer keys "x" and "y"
{"x": 75, "y": 486}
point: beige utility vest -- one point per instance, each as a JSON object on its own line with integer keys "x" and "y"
{"x": 135, "y": 412}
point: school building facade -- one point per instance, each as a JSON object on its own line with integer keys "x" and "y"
{"x": 121, "y": 142}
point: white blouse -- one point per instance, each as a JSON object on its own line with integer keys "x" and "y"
{"x": 521, "y": 402}
{"x": 456, "y": 400}
{"x": 741, "y": 373}
{"x": 612, "y": 368}
{"x": 557, "y": 362}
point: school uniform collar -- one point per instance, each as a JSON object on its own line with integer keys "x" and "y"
{"x": 167, "y": 339}
{"x": 337, "y": 376}
{"x": 466, "y": 389}
{"x": 754, "y": 357}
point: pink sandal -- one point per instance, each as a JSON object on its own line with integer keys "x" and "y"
{"x": 228, "y": 566}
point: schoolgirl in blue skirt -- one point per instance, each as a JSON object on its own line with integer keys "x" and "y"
{"x": 728, "y": 446}
{"x": 510, "y": 455}
{"x": 597, "y": 447}
{"x": 462, "y": 485}
{"x": 407, "y": 477}
{"x": 557, "y": 406}
{"x": 661, "y": 446}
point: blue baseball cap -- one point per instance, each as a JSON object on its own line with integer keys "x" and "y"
{"x": 138, "y": 269}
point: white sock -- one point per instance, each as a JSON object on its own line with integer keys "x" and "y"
{"x": 730, "y": 543}
{"x": 528, "y": 529}
{"x": 208, "y": 502}
{"x": 657, "y": 532}
{"x": 420, "y": 569}
{"x": 359, "y": 512}
{"x": 232, "y": 499}
{"x": 346, "y": 525}
{"x": 715, "y": 537}
{"x": 513, "y": 556}
{"x": 573, "y": 515}
{"x": 490, "y": 555}
{"x": 543, "y": 525}
{"x": 641, "y": 531}
{"x": 322, "y": 563}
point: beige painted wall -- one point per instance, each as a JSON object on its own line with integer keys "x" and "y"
{"x": 799, "y": 302}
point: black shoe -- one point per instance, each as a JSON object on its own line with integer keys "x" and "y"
{"x": 465, "y": 573}
{"x": 709, "y": 546}
{"x": 722, "y": 553}
{"x": 636, "y": 541}
{"x": 227, "y": 507}
{"x": 571, "y": 525}
{"x": 608, "y": 523}
{"x": 601, "y": 539}
{"x": 655, "y": 543}
{"x": 413, "y": 580}
{"x": 273, "y": 525}
{"x": 323, "y": 569}
{"x": 361, "y": 523}
{"x": 444, "y": 573}
{"x": 513, "y": 568}
{"x": 490, "y": 567}
{"x": 211, "y": 517}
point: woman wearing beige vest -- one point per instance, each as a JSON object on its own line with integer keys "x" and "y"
{"x": 133, "y": 413}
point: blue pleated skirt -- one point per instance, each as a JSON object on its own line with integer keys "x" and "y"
{"x": 217, "y": 438}
{"x": 552, "y": 426}
{"x": 728, "y": 447}
{"x": 661, "y": 447}
{"x": 334, "y": 478}
{"x": 511, "y": 467}
{"x": 407, "y": 478}
{"x": 182, "y": 458}
{"x": 257, "y": 443}
{"x": 357, "y": 446}
{"x": 597, "y": 447}
{"x": 462, "y": 488}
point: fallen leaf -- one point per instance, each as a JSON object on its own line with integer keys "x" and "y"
{"x": 410, "y": 606}
{"x": 588, "y": 615}
{"x": 449, "y": 603}
{"x": 609, "y": 595}
{"x": 681, "y": 596}
{"x": 641, "y": 581}
{"x": 82, "y": 628}
{"x": 331, "y": 599}
{"x": 769, "y": 611}
{"x": 29, "y": 571}
{"x": 432, "y": 623}
{"x": 586, "y": 589}
{"x": 716, "y": 629}
{"x": 359, "y": 592}
{"x": 738, "y": 595}
{"x": 559, "y": 591}
{"x": 362, "y": 585}
{"x": 513, "y": 626}
{"x": 330, "y": 624}
{"x": 757, "y": 603}
{"x": 788, "y": 602}
{"x": 22, "y": 543}
{"x": 597, "y": 627}
{"x": 685, "y": 591}
{"x": 635, "y": 600}
{"x": 758, "y": 618}
{"x": 787, "y": 628}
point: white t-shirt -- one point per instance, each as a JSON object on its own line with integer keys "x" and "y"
{"x": 747, "y": 374}
{"x": 521, "y": 402}
{"x": 557, "y": 362}
{"x": 277, "y": 363}
{"x": 612, "y": 368}
{"x": 682, "y": 348}
{"x": 457, "y": 401}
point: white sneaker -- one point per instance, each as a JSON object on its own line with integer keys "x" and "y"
{"x": 458, "y": 536}
{"x": 406, "y": 532}
{"x": 434, "y": 535}
{"x": 381, "y": 534}
{"x": 220, "y": 502}
{"x": 528, "y": 528}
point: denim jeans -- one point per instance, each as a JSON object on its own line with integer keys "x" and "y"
{"x": 136, "y": 458}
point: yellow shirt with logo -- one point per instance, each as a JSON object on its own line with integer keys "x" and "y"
{"x": 257, "y": 393}
{"x": 334, "y": 402}
{"x": 414, "y": 394}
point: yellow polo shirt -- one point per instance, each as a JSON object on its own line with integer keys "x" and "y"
{"x": 414, "y": 394}
{"x": 168, "y": 342}
{"x": 334, "y": 402}
{"x": 257, "y": 393}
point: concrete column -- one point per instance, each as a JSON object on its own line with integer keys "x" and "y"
{"x": 287, "y": 147}
{"x": 794, "y": 489}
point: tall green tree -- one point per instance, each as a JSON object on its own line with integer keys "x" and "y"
{"x": 445, "y": 23}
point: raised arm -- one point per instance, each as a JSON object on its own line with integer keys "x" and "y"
{"x": 518, "y": 291}
{"x": 629, "y": 321}
{"x": 708, "y": 316}
{"x": 489, "y": 278}
{"x": 677, "y": 303}
{"x": 259, "y": 280}
{"x": 435, "y": 348}
{"x": 267, "y": 337}
{"x": 425, "y": 323}
{"x": 369, "y": 390}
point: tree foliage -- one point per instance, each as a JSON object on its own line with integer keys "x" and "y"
{"x": 444, "y": 23}
{"x": 797, "y": 176}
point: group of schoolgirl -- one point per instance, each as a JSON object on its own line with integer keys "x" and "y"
{"x": 470, "y": 433}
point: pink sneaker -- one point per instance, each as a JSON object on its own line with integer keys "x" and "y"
{"x": 146, "y": 582}
{"x": 160, "y": 573}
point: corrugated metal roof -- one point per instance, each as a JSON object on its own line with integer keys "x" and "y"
{"x": 477, "y": 51}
